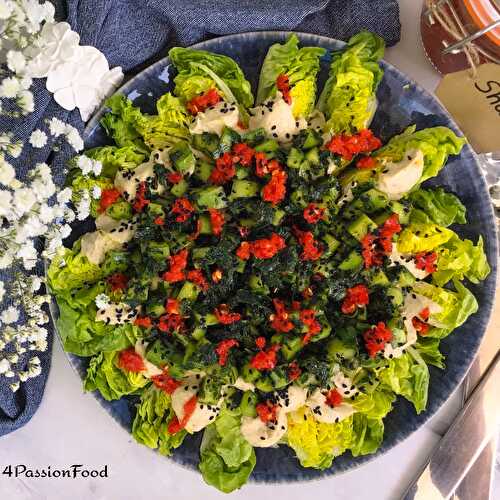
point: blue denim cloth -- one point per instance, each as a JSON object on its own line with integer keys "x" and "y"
{"x": 132, "y": 34}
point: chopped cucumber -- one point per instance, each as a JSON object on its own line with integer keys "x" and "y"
{"x": 312, "y": 156}
{"x": 244, "y": 189}
{"x": 189, "y": 291}
{"x": 202, "y": 170}
{"x": 361, "y": 227}
{"x": 182, "y": 158}
{"x": 307, "y": 139}
{"x": 206, "y": 142}
{"x": 210, "y": 197}
{"x": 179, "y": 189}
{"x": 352, "y": 262}
{"x": 295, "y": 158}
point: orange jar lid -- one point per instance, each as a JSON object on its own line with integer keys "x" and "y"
{"x": 484, "y": 13}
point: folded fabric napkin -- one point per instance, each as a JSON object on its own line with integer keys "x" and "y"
{"x": 133, "y": 33}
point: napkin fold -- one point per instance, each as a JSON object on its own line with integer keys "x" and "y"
{"x": 134, "y": 33}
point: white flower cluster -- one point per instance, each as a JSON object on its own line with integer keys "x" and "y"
{"x": 18, "y": 341}
{"x": 34, "y": 46}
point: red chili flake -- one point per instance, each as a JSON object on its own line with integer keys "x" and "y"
{"x": 223, "y": 171}
{"x": 280, "y": 320}
{"x": 216, "y": 220}
{"x": 169, "y": 323}
{"x": 425, "y": 313}
{"x": 224, "y": 316}
{"x": 203, "y": 101}
{"x": 426, "y": 261}
{"x": 357, "y": 296}
{"x": 295, "y": 305}
{"x": 223, "y": 348}
{"x": 197, "y": 277}
{"x": 294, "y": 371}
{"x": 283, "y": 85}
{"x": 376, "y": 338}
{"x": 260, "y": 342}
{"x": 243, "y": 154}
{"x": 313, "y": 214}
{"x": 243, "y": 252}
{"x": 265, "y": 360}
{"x": 178, "y": 263}
{"x": 421, "y": 326}
{"x": 159, "y": 221}
{"x": 165, "y": 382}
{"x": 366, "y": 162}
{"x": 108, "y": 197}
{"x": 349, "y": 145}
{"x": 177, "y": 425}
{"x": 144, "y": 322}
{"x": 371, "y": 256}
{"x": 267, "y": 248}
{"x": 129, "y": 360}
{"x": 140, "y": 202}
{"x": 275, "y": 190}
{"x": 311, "y": 248}
{"x": 263, "y": 166}
{"x": 390, "y": 227}
{"x": 172, "y": 306}
{"x": 183, "y": 209}
{"x": 308, "y": 317}
{"x": 267, "y": 411}
{"x": 117, "y": 281}
{"x": 174, "y": 177}
{"x": 242, "y": 125}
{"x": 197, "y": 231}
{"x": 334, "y": 398}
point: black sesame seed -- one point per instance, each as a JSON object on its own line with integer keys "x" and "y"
{"x": 262, "y": 438}
{"x": 273, "y": 127}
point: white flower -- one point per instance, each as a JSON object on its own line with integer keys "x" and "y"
{"x": 56, "y": 127}
{"x": 83, "y": 207}
{"x": 64, "y": 196}
{"x": 84, "y": 163}
{"x": 38, "y": 138}
{"x": 6, "y": 260}
{"x": 26, "y": 82}
{"x": 15, "y": 149}
{"x": 28, "y": 254}
{"x": 57, "y": 44}
{"x": 73, "y": 138}
{"x": 101, "y": 301}
{"x": 9, "y": 87}
{"x": 38, "y": 12}
{"x": 96, "y": 167}
{"x": 35, "y": 284}
{"x": 24, "y": 199}
{"x": 43, "y": 170}
{"x": 44, "y": 188}
{"x": 4, "y": 365}
{"x": 2, "y": 290}
{"x": 65, "y": 231}
{"x": 5, "y": 203}
{"x": 96, "y": 192}
{"x": 6, "y": 8}
{"x": 14, "y": 387}
{"x": 84, "y": 81}
{"x": 7, "y": 173}
{"x": 46, "y": 214}
{"x": 25, "y": 101}
{"x": 10, "y": 315}
{"x": 15, "y": 61}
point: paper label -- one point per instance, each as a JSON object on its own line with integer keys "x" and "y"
{"x": 475, "y": 105}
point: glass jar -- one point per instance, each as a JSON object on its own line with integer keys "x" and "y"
{"x": 446, "y": 25}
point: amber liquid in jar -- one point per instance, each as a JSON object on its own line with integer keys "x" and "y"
{"x": 474, "y": 16}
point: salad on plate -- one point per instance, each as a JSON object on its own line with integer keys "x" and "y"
{"x": 265, "y": 271}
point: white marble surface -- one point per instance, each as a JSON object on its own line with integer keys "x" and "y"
{"x": 71, "y": 428}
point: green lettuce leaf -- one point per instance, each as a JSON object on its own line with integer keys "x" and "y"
{"x": 226, "y": 457}
{"x": 82, "y": 335}
{"x": 348, "y": 98}
{"x": 456, "y": 306}
{"x": 104, "y": 375}
{"x": 376, "y": 404}
{"x": 315, "y": 443}
{"x": 223, "y": 73}
{"x": 149, "y": 428}
{"x": 300, "y": 65}
{"x": 69, "y": 269}
{"x": 113, "y": 158}
{"x": 367, "y": 434}
{"x": 169, "y": 126}
{"x": 436, "y": 144}
{"x": 418, "y": 237}
{"x": 436, "y": 206}
{"x": 461, "y": 258}
{"x": 428, "y": 349}
{"x": 121, "y": 123}
{"x": 408, "y": 376}
{"x": 81, "y": 184}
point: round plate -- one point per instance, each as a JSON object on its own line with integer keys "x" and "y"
{"x": 401, "y": 103}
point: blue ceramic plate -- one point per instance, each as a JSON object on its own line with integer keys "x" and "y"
{"x": 401, "y": 103}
